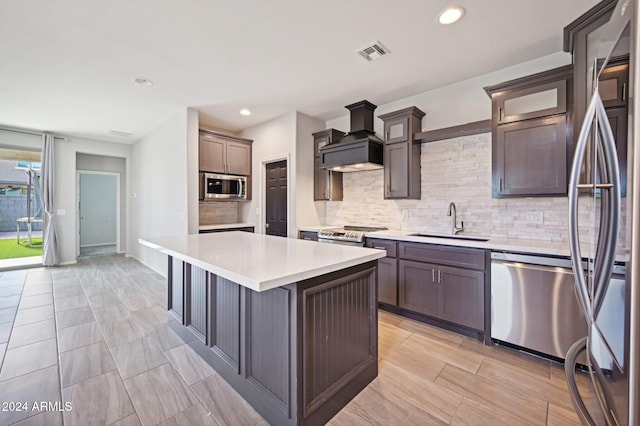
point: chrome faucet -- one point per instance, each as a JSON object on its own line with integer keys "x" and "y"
{"x": 454, "y": 227}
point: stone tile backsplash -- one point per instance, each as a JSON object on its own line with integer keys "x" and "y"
{"x": 218, "y": 212}
{"x": 457, "y": 170}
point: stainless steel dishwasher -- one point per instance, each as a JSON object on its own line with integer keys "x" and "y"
{"x": 533, "y": 304}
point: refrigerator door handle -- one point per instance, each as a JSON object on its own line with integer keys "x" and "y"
{"x": 574, "y": 182}
{"x": 610, "y": 205}
{"x": 570, "y": 373}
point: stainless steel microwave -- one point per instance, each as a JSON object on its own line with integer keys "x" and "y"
{"x": 222, "y": 187}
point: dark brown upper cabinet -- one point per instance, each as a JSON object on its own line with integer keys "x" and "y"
{"x": 402, "y": 153}
{"x": 531, "y": 134}
{"x": 218, "y": 153}
{"x": 327, "y": 184}
{"x": 612, "y": 85}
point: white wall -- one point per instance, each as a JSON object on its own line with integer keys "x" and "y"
{"x": 65, "y": 195}
{"x": 308, "y": 212}
{"x": 159, "y": 184}
{"x": 459, "y": 103}
{"x": 192, "y": 171}
{"x": 273, "y": 140}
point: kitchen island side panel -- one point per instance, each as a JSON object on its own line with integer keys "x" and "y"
{"x": 269, "y": 347}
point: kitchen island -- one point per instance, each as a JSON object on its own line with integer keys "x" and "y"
{"x": 290, "y": 324}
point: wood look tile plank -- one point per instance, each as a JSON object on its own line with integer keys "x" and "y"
{"x": 148, "y": 318}
{"x": 5, "y": 331}
{"x": 170, "y": 335}
{"x": 159, "y": 394}
{"x": 103, "y": 300}
{"x": 131, "y": 420}
{"x": 380, "y": 408}
{"x": 68, "y": 291}
{"x": 472, "y": 413}
{"x": 36, "y": 300}
{"x": 530, "y": 364}
{"x": 491, "y": 393}
{"x": 73, "y": 317}
{"x": 32, "y": 333}
{"x": 388, "y": 318}
{"x": 3, "y": 349}
{"x": 46, "y": 418}
{"x": 515, "y": 379}
{"x": 121, "y": 332}
{"x": 430, "y": 331}
{"x": 111, "y": 314}
{"x": 99, "y": 400}
{"x": 139, "y": 301}
{"x": 195, "y": 415}
{"x": 439, "y": 402}
{"x": 10, "y": 290}
{"x": 558, "y": 416}
{"x": 8, "y": 314}
{"x": 27, "y": 316}
{"x": 71, "y": 302}
{"x": 9, "y": 301}
{"x": 79, "y": 335}
{"x": 348, "y": 418}
{"x": 450, "y": 354}
{"x": 37, "y": 289}
{"x": 29, "y": 358}
{"x": 41, "y": 385}
{"x": 84, "y": 363}
{"x": 225, "y": 404}
{"x": 191, "y": 367}
{"x": 137, "y": 356}
{"x": 419, "y": 362}
{"x": 389, "y": 337}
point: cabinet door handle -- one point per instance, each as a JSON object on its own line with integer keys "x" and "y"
{"x": 500, "y": 185}
{"x": 388, "y": 191}
{"x": 500, "y": 114}
{"x": 624, "y": 92}
{"x": 439, "y": 276}
{"x": 379, "y": 248}
{"x": 306, "y": 238}
{"x": 433, "y": 275}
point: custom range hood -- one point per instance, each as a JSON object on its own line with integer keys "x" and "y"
{"x": 358, "y": 150}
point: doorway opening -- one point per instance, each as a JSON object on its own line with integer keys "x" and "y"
{"x": 276, "y": 196}
{"x": 98, "y": 213}
{"x": 21, "y": 210}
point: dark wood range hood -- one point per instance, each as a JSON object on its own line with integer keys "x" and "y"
{"x": 358, "y": 150}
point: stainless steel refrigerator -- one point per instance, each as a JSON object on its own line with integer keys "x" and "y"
{"x": 609, "y": 242}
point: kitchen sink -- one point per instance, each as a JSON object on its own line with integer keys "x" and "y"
{"x": 451, "y": 237}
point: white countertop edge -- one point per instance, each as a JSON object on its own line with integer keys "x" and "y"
{"x": 264, "y": 285}
{"x": 225, "y": 226}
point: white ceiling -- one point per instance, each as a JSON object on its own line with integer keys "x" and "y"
{"x": 67, "y": 66}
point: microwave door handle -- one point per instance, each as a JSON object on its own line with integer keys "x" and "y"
{"x": 239, "y": 187}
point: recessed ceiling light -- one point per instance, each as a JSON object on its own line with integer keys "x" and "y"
{"x": 245, "y": 111}
{"x": 451, "y": 15}
{"x": 143, "y": 81}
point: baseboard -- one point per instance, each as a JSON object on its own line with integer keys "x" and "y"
{"x": 99, "y": 245}
{"x": 162, "y": 274}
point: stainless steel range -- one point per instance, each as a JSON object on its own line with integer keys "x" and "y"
{"x": 347, "y": 235}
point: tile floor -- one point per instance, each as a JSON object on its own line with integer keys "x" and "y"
{"x": 92, "y": 344}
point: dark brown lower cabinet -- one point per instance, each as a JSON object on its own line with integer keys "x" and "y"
{"x": 309, "y": 235}
{"x": 461, "y": 296}
{"x": 297, "y": 353}
{"x": 417, "y": 291}
{"x": 388, "y": 281}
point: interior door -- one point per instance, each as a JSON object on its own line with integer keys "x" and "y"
{"x": 98, "y": 211}
{"x": 276, "y": 199}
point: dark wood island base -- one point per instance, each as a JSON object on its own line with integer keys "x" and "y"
{"x": 297, "y": 353}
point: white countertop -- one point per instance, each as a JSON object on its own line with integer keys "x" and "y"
{"x": 514, "y": 245}
{"x": 225, "y": 226}
{"x": 258, "y": 261}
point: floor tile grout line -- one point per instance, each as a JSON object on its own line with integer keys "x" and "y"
{"x": 13, "y": 324}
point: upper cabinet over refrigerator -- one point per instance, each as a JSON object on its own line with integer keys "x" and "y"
{"x": 604, "y": 42}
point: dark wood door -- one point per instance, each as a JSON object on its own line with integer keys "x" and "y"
{"x": 461, "y": 296}
{"x": 212, "y": 154}
{"x": 417, "y": 289}
{"x": 388, "y": 281}
{"x": 530, "y": 158}
{"x": 396, "y": 170}
{"x": 276, "y": 199}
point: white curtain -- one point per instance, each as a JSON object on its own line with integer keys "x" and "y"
{"x": 50, "y": 255}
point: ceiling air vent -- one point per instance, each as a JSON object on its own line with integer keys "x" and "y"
{"x": 373, "y": 51}
{"x": 118, "y": 133}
